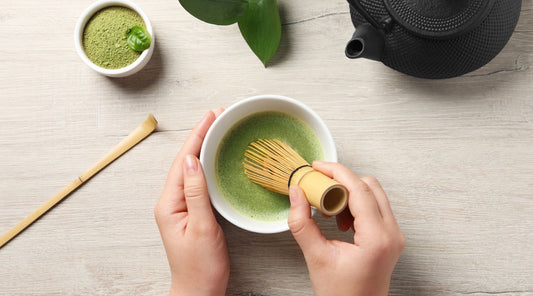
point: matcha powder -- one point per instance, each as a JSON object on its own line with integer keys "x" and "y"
{"x": 104, "y": 37}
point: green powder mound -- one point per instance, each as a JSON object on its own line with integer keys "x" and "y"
{"x": 104, "y": 37}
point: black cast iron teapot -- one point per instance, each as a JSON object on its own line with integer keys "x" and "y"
{"x": 431, "y": 38}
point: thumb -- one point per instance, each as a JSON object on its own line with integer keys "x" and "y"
{"x": 196, "y": 195}
{"x": 302, "y": 226}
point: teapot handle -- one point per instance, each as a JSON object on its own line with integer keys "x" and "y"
{"x": 384, "y": 24}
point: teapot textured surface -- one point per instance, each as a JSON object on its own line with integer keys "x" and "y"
{"x": 432, "y": 38}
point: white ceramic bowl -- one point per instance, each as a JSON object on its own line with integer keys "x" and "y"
{"x": 226, "y": 121}
{"x": 80, "y": 27}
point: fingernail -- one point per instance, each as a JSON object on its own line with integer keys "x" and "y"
{"x": 191, "y": 164}
{"x": 318, "y": 162}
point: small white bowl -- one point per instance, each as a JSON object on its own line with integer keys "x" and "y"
{"x": 226, "y": 121}
{"x": 80, "y": 27}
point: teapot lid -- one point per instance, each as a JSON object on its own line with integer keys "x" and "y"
{"x": 439, "y": 18}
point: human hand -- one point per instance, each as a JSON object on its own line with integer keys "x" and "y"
{"x": 338, "y": 268}
{"x": 194, "y": 242}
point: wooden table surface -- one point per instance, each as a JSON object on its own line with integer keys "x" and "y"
{"x": 455, "y": 156}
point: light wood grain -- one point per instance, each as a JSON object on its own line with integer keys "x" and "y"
{"x": 455, "y": 156}
{"x": 141, "y": 132}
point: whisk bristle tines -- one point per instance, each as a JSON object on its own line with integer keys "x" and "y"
{"x": 270, "y": 163}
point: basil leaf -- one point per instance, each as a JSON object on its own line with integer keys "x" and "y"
{"x": 261, "y": 28}
{"x": 217, "y": 12}
{"x": 138, "y": 38}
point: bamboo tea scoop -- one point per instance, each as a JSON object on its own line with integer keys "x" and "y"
{"x": 141, "y": 132}
{"x": 274, "y": 165}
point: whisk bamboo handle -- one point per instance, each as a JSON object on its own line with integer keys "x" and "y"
{"x": 322, "y": 192}
{"x": 127, "y": 143}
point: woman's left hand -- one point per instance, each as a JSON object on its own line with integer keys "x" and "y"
{"x": 194, "y": 242}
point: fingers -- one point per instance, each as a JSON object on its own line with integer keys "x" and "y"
{"x": 344, "y": 220}
{"x": 218, "y": 111}
{"x": 361, "y": 202}
{"x": 171, "y": 200}
{"x": 381, "y": 198}
{"x": 199, "y": 209}
{"x": 302, "y": 226}
{"x": 194, "y": 141}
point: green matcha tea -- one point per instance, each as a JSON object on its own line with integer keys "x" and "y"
{"x": 249, "y": 198}
{"x": 104, "y": 37}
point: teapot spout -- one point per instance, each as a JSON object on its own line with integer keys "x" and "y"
{"x": 367, "y": 42}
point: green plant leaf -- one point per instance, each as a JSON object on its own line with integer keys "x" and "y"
{"x": 218, "y": 12}
{"x": 261, "y": 28}
{"x": 138, "y": 38}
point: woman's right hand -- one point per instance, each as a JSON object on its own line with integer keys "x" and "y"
{"x": 338, "y": 268}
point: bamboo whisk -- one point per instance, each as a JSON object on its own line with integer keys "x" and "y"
{"x": 275, "y": 166}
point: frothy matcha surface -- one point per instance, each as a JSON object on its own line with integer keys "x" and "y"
{"x": 245, "y": 196}
{"x": 104, "y": 37}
